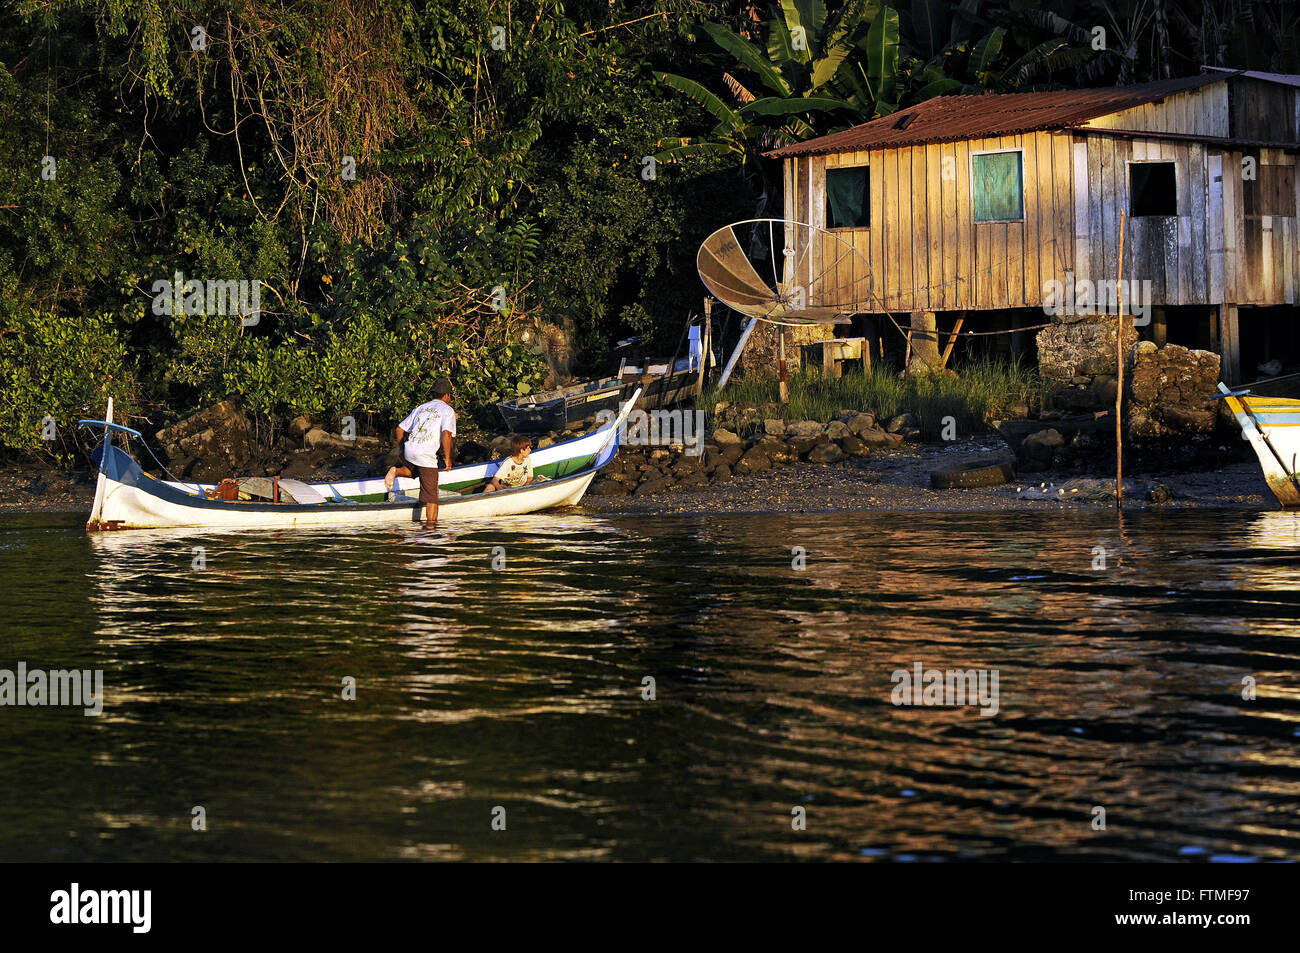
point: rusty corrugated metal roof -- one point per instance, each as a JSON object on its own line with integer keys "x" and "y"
{"x": 1284, "y": 79}
{"x": 949, "y": 118}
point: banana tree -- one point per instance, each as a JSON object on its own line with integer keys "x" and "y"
{"x": 872, "y": 82}
{"x": 972, "y": 60}
{"x": 786, "y": 82}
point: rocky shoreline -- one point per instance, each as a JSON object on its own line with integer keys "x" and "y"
{"x": 755, "y": 461}
{"x": 890, "y": 479}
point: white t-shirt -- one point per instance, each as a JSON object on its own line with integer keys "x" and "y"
{"x": 514, "y": 474}
{"x": 424, "y": 427}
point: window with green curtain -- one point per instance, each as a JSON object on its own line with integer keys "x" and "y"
{"x": 997, "y": 186}
{"x": 847, "y": 198}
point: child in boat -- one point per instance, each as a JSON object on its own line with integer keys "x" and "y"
{"x": 426, "y": 430}
{"x": 516, "y": 469}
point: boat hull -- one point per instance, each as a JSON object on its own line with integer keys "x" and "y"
{"x": 128, "y": 498}
{"x": 1272, "y": 425}
{"x": 559, "y": 409}
{"x": 134, "y": 500}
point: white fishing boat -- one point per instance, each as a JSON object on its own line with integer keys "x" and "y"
{"x": 1272, "y": 425}
{"x": 128, "y": 498}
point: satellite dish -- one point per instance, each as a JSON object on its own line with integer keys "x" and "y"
{"x": 817, "y": 276}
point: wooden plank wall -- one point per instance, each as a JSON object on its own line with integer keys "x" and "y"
{"x": 1200, "y": 112}
{"x": 1172, "y": 252}
{"x": 923, "y": 252}
{"x": 1264, "y": 260}
{"x": 1265, "y": 111}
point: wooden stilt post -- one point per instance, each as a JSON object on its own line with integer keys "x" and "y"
{"x": 705, "y": 334}
{"x": 952, "y": 340}
{"x": 1121, "y": 323}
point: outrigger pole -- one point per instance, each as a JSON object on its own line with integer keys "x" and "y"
{"x": 735, "y": 355}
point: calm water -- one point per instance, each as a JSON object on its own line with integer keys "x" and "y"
{"x": 522, "y": 688}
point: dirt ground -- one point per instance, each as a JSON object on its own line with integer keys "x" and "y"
{"x": 900, "y": 481}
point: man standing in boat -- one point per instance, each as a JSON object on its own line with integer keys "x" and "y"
{"x": 426, "y": 430}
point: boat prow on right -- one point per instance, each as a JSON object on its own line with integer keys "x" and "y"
{"x": 1272, "y": 425}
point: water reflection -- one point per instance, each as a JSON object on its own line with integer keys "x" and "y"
{"x": 523, "y": 685}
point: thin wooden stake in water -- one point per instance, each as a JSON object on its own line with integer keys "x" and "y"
{"x": 1120, "y": 328}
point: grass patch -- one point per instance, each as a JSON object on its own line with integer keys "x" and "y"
{"x": 981, "y": 391}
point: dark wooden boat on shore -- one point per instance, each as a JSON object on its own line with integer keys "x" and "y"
{"x": 668, "y": 381}
{"x": 662, "y": 386}
{"x": 557, "y": 409}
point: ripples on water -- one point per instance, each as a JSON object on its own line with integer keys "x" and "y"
{"x": 522, "y": 688}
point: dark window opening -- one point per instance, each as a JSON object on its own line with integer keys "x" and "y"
{"x": 1152, "y": 189}
{"x": 1268, "y": 344}
{"x": 848, "y": 202}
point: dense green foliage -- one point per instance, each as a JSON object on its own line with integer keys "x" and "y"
{"x": 423, "y": 186}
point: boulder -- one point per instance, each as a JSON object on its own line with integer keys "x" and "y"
{"x": 319, "y": 439}
{"x": 854, "y": 446}
{"x": 1187, "y": 419}
{"x": 299, "y": 426}
{"x": 775, "y": 449}
{"x": 804, "y": 428}
{"x": 860, "y": 423}
{"x": 825, "y": 453}
{"x": 1038, "y": 449}
{"x": 685, "y": 464}
{"x": 753, "y": 461}
{"x": 876, "y": 439}
{"x": 1171, "y": 393}
{"x": 1084, "y": 346}
{"x": 801, "y": 445}
{"x": 220, "y": 436}
{"x": 302, "y": 465}
{"x": 774, "y": 427}
{"x": 725, "y": 457}
{"x": 650, "y": 487}
{"x": 838, "y": 430}
{"x": 725, "y": 438}
{"x": 608, "y": 487}
{"x": 900, "y": 422}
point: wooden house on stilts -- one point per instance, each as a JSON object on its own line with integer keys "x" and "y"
{"x": 974, "y": 206}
